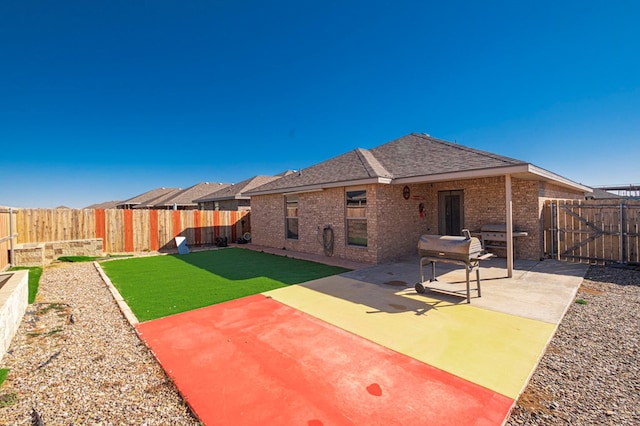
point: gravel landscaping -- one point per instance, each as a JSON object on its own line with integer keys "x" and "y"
{"x": 590, "y": 374}
{"x": 76, "y": 360}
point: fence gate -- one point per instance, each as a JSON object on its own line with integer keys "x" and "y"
{"x": 594, "y": 231}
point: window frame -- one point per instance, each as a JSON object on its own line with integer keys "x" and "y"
{"x": 353, "y": 219}
{"x": 287, "y": 234}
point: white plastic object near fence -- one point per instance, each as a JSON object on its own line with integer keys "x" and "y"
{"x": 181, "y": 243}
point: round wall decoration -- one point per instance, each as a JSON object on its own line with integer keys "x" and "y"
{"x": 406, "y": 192}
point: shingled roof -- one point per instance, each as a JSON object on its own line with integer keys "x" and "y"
{"x": 104, "y": 205}
{"x": 148, "y": 197}
{"x": 236, "y": 191}
{"x": 412, "y": 158}
{"x": 185, "y": 197}
{"x": 422, "y": 155}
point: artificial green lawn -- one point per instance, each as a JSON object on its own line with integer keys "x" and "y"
{"x": 158, "y": 286}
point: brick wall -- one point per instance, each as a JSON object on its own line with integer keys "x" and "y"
{"x": 550, "y": 191}
{"x": 267, "y": 220}
{"x": 316, "y": 210}
{"x": 527, "y": 216}
{"x": 399, "y": 222}
{"x": 394, "y": 223}
{"x": 484, "y": 202}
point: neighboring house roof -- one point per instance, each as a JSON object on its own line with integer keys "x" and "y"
{"x": 629, "y": 191}
{"x": 414, "y": 158}
{"x": 148, "y": 197}
{"x": 104, "y": 205}
{"x": 236, "y": 191}
{"x": 185, "y": 197}
{"x": 153, "y": 203}
{"x": 601, "y": 194}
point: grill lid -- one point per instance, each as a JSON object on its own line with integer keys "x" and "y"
{"x": 494, "y": 227}
{"x": 449, "y": 247}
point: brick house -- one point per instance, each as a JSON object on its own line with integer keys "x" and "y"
{"x": 372, "y": 205}
{"x": 183, "y": 198}
{"x": 171, "y": 198}
{"x": 146, "y": 198}
{"x": 232, "y": 197}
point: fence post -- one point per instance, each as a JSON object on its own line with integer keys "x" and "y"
{"x": 553, "y": 229}
{"x": 11, "y": 236}
{"x": 621, "y": 228}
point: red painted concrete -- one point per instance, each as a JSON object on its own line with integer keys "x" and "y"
{"x": 255, "y": 361}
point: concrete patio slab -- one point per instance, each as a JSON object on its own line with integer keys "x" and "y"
{"x": 495, "y": 350}
{"x": 255, "y": 361}
{"x": 540, "y": 290}
{"x": 365, "y": 348}
{"x": 496, "y": 341}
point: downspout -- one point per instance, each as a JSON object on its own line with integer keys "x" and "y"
{"x": 509, "y": 221}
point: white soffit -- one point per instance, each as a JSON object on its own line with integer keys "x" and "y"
{"x": 321, "y": 186}
{"x": 520, "y": 171}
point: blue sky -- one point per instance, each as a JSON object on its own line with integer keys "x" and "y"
{"x": 104, "y": 100}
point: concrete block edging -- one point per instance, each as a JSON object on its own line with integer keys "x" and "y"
{"x": 122, "y": 304}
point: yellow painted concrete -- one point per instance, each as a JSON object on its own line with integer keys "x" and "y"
{"x": 489, "y": 348}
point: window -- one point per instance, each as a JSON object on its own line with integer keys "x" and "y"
{"x": 357, "y": 218}
{"x": 291, "y": 216}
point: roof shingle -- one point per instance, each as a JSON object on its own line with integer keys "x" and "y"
{"x": 149, "y": 196}
{"x": 236, "y": 191}
{"x": 186, "y": 197}
{"x": 421, "y": 155}
{"x": 411, "y": 155}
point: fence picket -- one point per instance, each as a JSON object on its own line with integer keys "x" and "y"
{"x": 137, "y": 230}
{"x": 599, "y": 231}
{"x": 8, "y": 234}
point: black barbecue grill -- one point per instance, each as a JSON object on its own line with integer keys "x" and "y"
{"x": 466, "y": 251}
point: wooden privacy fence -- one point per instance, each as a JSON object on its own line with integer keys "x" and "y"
{"x": 595, "y": 231}
{"x": 7, "y": 235}
{"x": 126, "y": 231}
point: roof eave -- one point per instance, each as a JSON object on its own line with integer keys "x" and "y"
{"x": 321, "y": 186}
{"x": 522, "y": 171}
{"x": 225, "y": 198}
{"x": 559, "y": 180}
{"x": 175, "y": 203}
